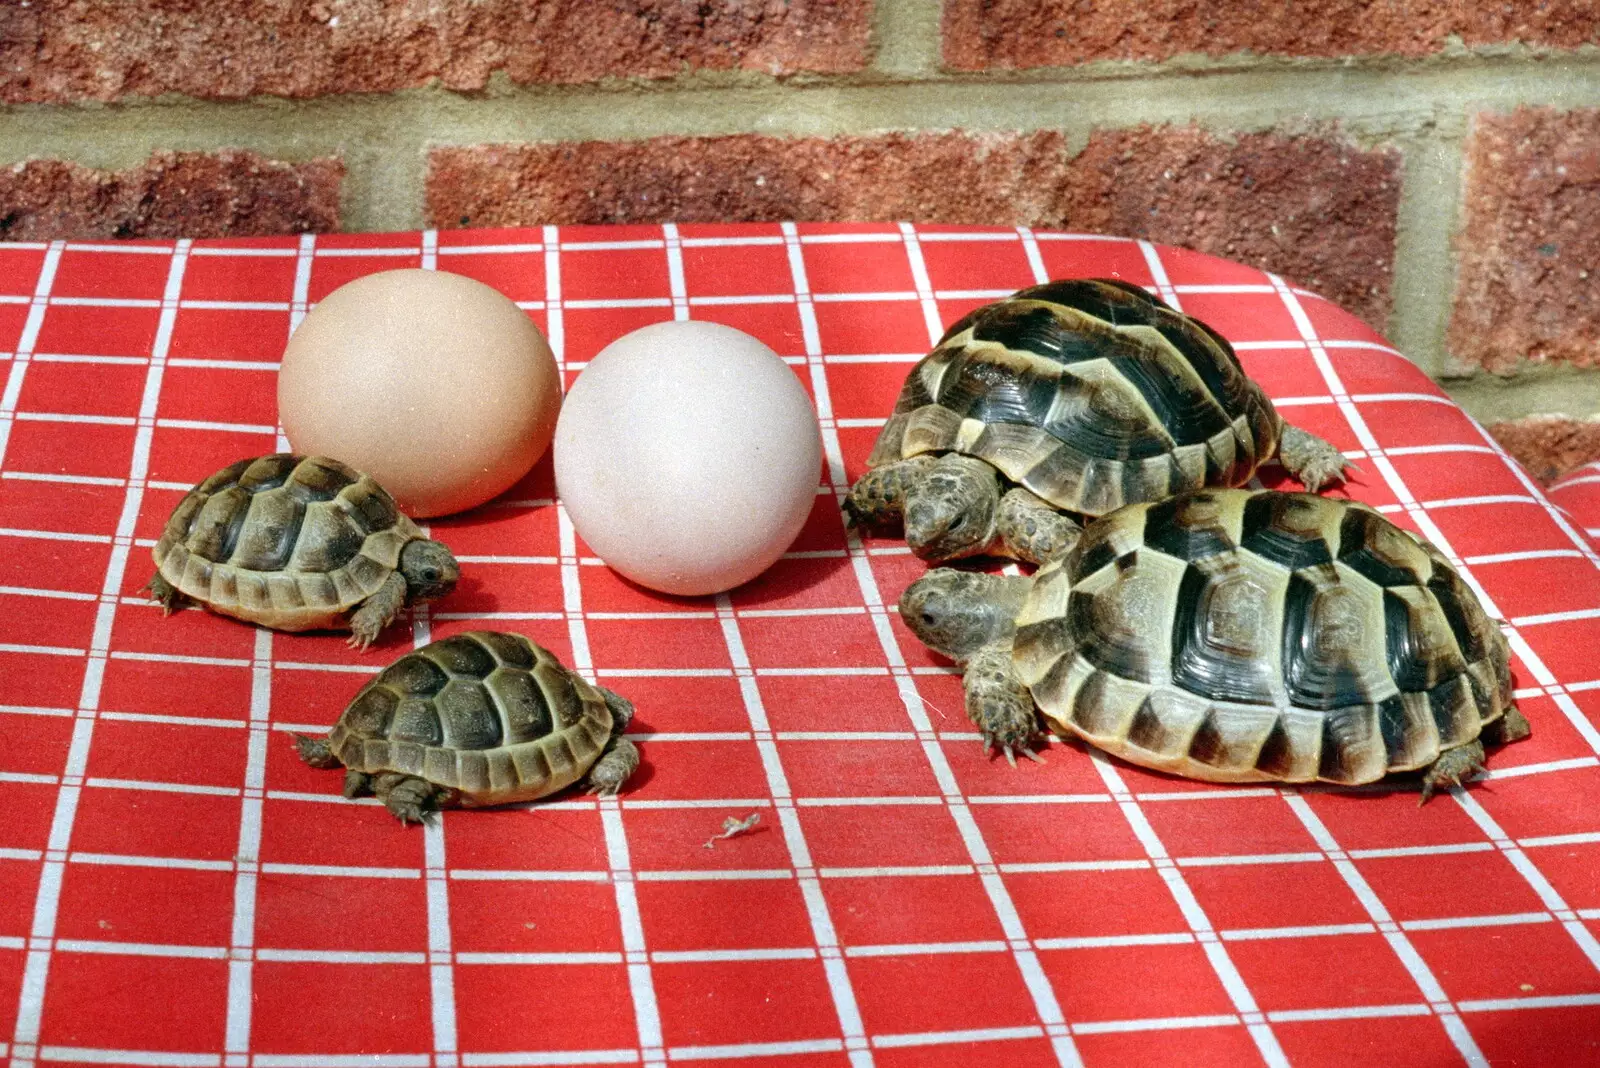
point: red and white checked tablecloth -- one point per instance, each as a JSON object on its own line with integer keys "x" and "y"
{"x": 176, "y": 888}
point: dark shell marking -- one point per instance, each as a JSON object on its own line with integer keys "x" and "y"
{"x": 1091, "y": 394}
{"x": 285, "y": 540}
{"x": 1234, "y": 635}
{"x": 489, "y": 715}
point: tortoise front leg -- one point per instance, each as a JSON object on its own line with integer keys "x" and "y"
{"x": 1310, "y": 459}
{"x": 616, "y": 765}
{"x": 408, "y": 798}
{"x": 999, "y": 704}
{"x": 377, "y": 612}
{"x": 879, "y": 496}
{"x": 1031, "y": 529}
{"x": 165, "y": 592}
{"x": 1452, "y": 766}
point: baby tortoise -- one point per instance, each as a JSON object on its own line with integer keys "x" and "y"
{"x": 298, "y": 543}
{"x": 1235, "y": 636}
{"x": 480, "y": 718}
{"x": 1075, "y": 396}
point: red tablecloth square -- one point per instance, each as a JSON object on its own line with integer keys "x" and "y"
{"x": 221, "y": 395}
{"x": 505, "y": 914}
{"x": 336, "y": 1008}
{"x": 23, "y": 618}
{"x": 854, "y": 267}
{"x": 1138, "y": 980}
{"x": 156, "y": 823}
{"x": 551, "y": 839}
{"x": 98, "y": 330}
{"x": 19, "y": 885}
{"x": 612, "y": 272}
{"x": 135, "y": 271}
{"x": 1088, "y": 832}
{"x": 894, "y": 910}
{"x": 1477, "y": 883}
{"x": 989, "y": 992}
{"x": 850, "y": 767}
{"x": 1416, "y": 1041}
{"x": 172, "y": 1003}
{"x": 341, "y": 913}
{"x": 161, "y": 687}
{"x": 82, "y": 389}
{"x": 882, "y": 836}
{"x": 1505, "y": 961}
{"x": 334, "y": 266}
{"x": 703, "y": 767}
{"x": 1326, "y": 971}
{"x": 1538, "y": 1035}
{"x": 1255, "y": 896}
{"x": 1195, "y": 827}
{"x": 752, "y": 915}
{"x": 36, "y": 745}
{"x": 212, "y": 273}
{"x": 778, "y": 326}
{"x": 737, "y": 268}
{"x": 727, "y": 1002}
{"x": 128, "y": 903}
{"x": 586, "y": 330}
{"x": 83, "y": 509}
{"x": 43, "y": 680}
{"x": 186, "y": 454}
{"x": 294, "y": 830}
{"x": 871, "y": 326}
{"x": 1104, "y": 902}
{"x": 28, "y": 805}
{"x": 88, "y": 450}
{"x": 183, "y": 753}
{"x": 515, "y": 270}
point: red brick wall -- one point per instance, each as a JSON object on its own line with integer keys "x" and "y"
{"x": 1325, "y": 204}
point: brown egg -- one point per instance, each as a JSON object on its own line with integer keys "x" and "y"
{"x": 435, "y": 384}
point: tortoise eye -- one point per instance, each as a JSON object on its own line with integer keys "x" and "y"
{"x": 928, "y": 619}
{"x": 430, "y": 575}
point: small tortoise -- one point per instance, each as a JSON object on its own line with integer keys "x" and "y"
{"x": 1234, "y": 636}
{"x": 298, "y": 543}
{"x": 480, "y": 718}
{"x": 1081, "y": 396}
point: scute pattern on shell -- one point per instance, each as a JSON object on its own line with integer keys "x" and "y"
{"x": 490, "y": 715}
{"x": 289, "y": 541}
{"x": 1233, "y": 635}
{"x": 1091, "y": 394}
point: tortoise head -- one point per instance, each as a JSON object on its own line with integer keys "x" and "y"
{"x": 950, "y": 512}
{"x": 959, "y": 612}
{"x": 429, "y": 568}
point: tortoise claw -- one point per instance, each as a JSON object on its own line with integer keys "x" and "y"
{"x": 1011, "y": 757}
{"x": 1033, "y": 756}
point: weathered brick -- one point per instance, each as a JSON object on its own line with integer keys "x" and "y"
{"x": 990, "y": 34}
{"x": 1528, "y": 280}
{"x": 1313, "y": 208}
{"x": 56, "y": 50}
{"x": 184, "y": 194}
{"x": 1309, "y": 206}
{"x": 1550, "y": 446}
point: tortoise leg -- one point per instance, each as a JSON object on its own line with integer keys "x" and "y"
{"x": 1451, "y": 767}
{"x": 1310, "y": 459}
{"x": 315, "y": 751}
{"x": 377, "y": 612}
{"x": 879, "y": 496}
{"x": 165, "y": 592}
{"x": 1031, "y": 530}
{"x": 619, "y": 761}
{"x": 357, "y": 783}
{"x": 1000, "y": 704}
{"x": 408, "y": 798}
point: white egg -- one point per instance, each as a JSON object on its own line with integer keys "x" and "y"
{"x": 688, "y": 456}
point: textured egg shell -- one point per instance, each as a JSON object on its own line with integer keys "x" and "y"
{"x": 435, "y": 384}
{"x": 688, "y": 456}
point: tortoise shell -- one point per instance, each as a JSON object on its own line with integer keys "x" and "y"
{"x": 291, "y": 542}
{"x": 1236, "y": 636}
{"x": 490, "y": 715}
{"x": 1090, "y": 393}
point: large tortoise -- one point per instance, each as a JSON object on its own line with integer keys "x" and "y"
{"x": 1074, "y": 396}
{"x": 475, "y": 719}
{"x": 1234, "y": 636}
{"x": 298, "y": 543}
